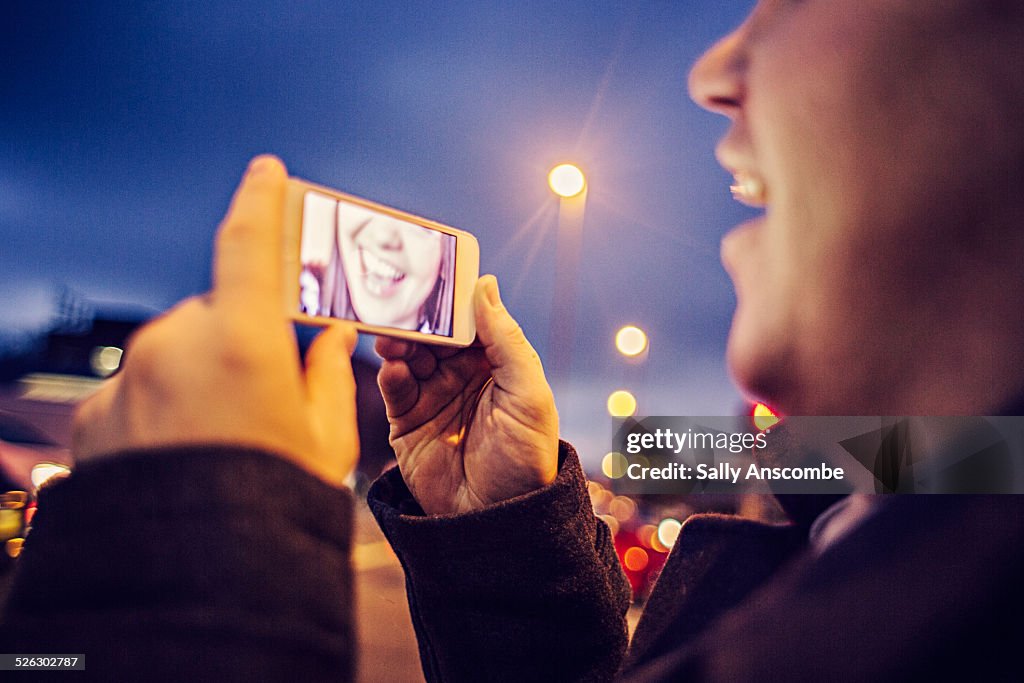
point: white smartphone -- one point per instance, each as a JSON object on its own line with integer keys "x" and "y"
{"x": 390, "y": 272}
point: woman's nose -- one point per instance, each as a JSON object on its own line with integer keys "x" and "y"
{"x": 717, "y": 79}
{"x": 386, "y": 233}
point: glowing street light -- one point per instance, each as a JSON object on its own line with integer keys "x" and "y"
{"x": 566, "y": 180}
{"x": 631, "y": 341}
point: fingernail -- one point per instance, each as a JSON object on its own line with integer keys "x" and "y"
{"x": 493, "y": 297}
{"x": 260, "y": 164}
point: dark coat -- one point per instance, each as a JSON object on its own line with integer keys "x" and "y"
{"x": 529, "y": 590}
{"x": 228, "y": 564}
{"x": 191, "y": 564}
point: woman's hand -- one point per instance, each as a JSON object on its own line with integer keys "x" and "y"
{"x": 225, "y": 368}
{"x": 472, "y": 426}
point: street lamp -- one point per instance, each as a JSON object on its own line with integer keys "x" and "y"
{"x": 566, "y": 180}
{"x": 569, "y": 184}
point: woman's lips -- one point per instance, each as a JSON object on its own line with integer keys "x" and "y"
{"x": 741, "y": 244}
{"x": 380, "y": 277}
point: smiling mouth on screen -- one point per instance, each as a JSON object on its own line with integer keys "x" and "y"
{"x": 380, "y": 277}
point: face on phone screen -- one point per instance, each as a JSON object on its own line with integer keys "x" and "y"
{"x": 364, "y": 265}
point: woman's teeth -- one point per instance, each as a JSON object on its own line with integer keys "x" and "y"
{"x": 380, "y": 275}
{"x": 749, "y": 190}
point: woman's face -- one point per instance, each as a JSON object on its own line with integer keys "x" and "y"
{"x": 881, "y": 141}
{"x": 391, "y": 266}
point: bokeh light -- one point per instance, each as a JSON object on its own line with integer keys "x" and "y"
{"x": 656, "y": 544}
{"x": 105, "y": 360}
{"x": 621, "y": 403}
{"x": 668, "y": 530}
{"x": 614, "y": 465}
{"x": 10, "y": 523}
{"x": 764, "y": 417}
{"x": 635, "y": 559}
{"x": 600, "y": 497}
{"x": 44, "y": 471}
{"x": 622, "y": 508}
{"x": 613, "y": 524}
{"x": 13, "y": 546}
{"x": 647, "y": 534}
{"x": 631, "y": 341}
{"x": 566, "y": 180}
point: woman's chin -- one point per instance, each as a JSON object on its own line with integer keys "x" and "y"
{"x": 384, "y": 319}
{"x": 757, "y": 366}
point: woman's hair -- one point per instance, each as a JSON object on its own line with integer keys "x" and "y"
{"x": 437, "y": 309}
{"x": 337, "y": 302}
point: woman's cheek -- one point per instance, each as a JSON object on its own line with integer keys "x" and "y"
{"x": 428, "y": 268}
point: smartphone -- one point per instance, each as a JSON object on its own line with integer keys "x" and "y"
{"x": 390, "y": 272}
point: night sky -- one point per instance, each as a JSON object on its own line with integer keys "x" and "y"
{"x": 124, "y": 128}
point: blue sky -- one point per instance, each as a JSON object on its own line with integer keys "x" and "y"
{"x": 125, "y": 126}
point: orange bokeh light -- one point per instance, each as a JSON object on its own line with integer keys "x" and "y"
{"x": 764, "y": 417}
{"x": 635, "y": 559}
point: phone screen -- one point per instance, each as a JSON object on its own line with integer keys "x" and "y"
{"x": 367, "y": 266}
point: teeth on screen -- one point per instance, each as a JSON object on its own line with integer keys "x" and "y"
{"x": 380, "y": 268}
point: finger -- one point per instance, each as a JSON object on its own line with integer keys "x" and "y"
{"x": 399, "y": 388}
{"x": 331, "y": 390}
{"x": 444, "y": 352}
{"x": 422, "y": 362}
{"x": 247, "y": 269}
{"x": 392, "y": 349}
{"x": 515, "y": 365}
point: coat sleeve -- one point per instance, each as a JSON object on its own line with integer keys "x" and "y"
{"x": 529, "y": 589}
{"x": 211, "y": 563}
